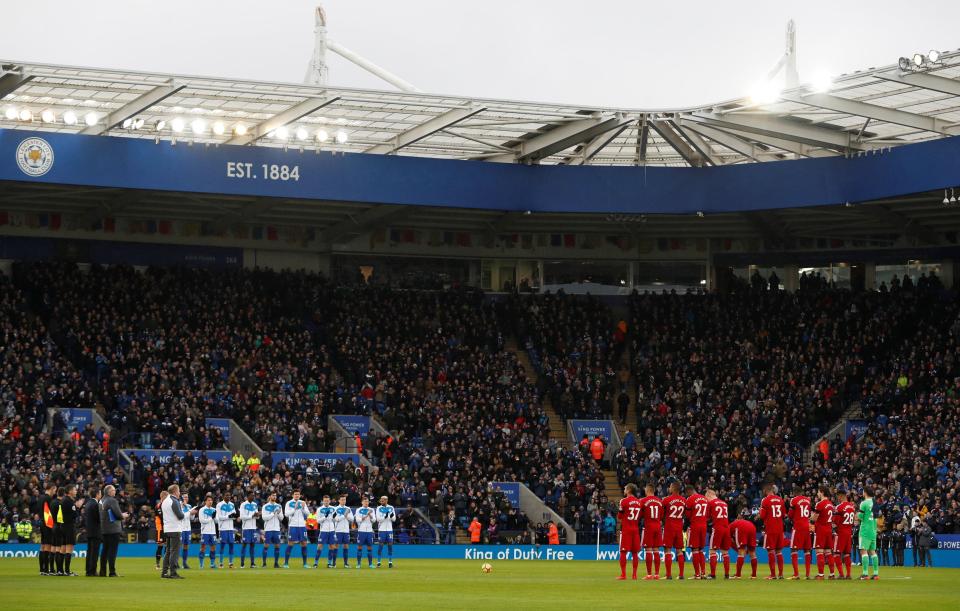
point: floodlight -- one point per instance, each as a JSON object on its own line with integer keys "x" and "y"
{"x": 904, "y": 64}
{"x": 161, "y": 124}
{"x": 90, "y": 119}
{"x": 11, "y": 113}
{"x": 341, "y": 136}
{"x": 218, "y": 128}
{"x": 177, "y": 125}
{"x": 946, "y": 200}
{"x": 48, "y": 116}
{"x": 26, "y": 115}
{"x": 322, "y": 135}
{"x": 138, "y": 123}
{"x": 302, "y": 133}
{"x": 240, "y": 129}
{"x": 70, "y": 117}
{"x": 198, "y": 126}
{"x": 281, "y": 133}
{"x": 933, "y": 56}
{"x": 127, "y": 123}
{"x": 918, "y": 59}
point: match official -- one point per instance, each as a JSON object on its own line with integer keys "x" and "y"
{"x": 91, "y": 525}
{"x": 111, "y": 528}
{"x": 172, "y": 516}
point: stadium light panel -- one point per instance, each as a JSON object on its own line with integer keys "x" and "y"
{"x": 946, "y": 200}
{"x": 90, "y": 119}
{"x": 11, "y": 113}
{"x": 821, "y": 82}
{"x": 904, "y": 64}
{"x": 302, "y": 133}
{"x": 26, "y": 115}
{"x": 281, "y": 133}
{"x": 127, "y": 123}
{"x": 48, "y": 116}
{"x": 933, "y": 56}
{"x": 322, "y": 135}
{"x": 198, "y": 126}
{"x": 70, "y": 117}
{"x": 137, "y": 123}
{"x": 161, "y": 124}
{"x": 918, "y": 59}
{"x": 219, "y": 128}
{"x": 240, "y": 129}
{"x": 341, "y": 137}
{"x": 177, "y": 125}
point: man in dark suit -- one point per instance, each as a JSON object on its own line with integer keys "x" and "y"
{"x": 91, "y": 525}
{"x": 111, "y": 528}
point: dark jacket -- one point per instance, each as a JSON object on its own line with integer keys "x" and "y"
{"x": 91, "y": 518}
{"x": 110, "y": 504}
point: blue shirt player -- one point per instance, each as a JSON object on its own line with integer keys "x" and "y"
{"x": 365, "y": 516}
{"x": 226, "y": 511}
{"x": 249, "y": 512}
{"x": 296, "y": 512}
{"x": 342, "y": 517}
{"x": 272, "y": 514}
{"x": 325, "y": 521}
{"x": 208, "y": 531}
{"x": 386, "y": 516}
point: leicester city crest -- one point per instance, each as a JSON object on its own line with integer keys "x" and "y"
{"x": 35, "y": 156}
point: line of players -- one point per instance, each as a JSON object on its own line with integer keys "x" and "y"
{"x": 332, "y": 521}
{"x": 833, "y": 548}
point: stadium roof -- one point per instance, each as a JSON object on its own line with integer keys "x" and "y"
{"x": 867, "y": 110}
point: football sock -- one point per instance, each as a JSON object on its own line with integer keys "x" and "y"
{"x": 713, "y": 564}
{"x": 656, "y": 563}
{"x": 346, "y": 555}
{"x": 680, "y": 562}
{"x": 58, "y": 560}
{"x": 821, "y": 562}
{"x": 623, "y": 564}
{"x": 806, "y": 560}
{"x": 66, "y": 562}
{"x": 184, "y": 554}
{"x": 753, "y": 566}
{"x": 795, "y": 560}
{"x": 276, "y": 555}
{"x": 303, "y": 554}
{"x": 316, "y": 557}
{"x": 369, "y": 555}
{"x": 847, "y": 562}
{"x": 200, "y": 558}
{"x": 286, "y": 554}
{"x": 668, "y": 558}
{"x": 636, "y": 565}
{"x": 772, "y": 561}
{"x": 739, "y": 565}
{"x": 649, "y": 559}
{"x": 726, "y": 565}
{"x": 864, "y": 566}
{"x": 779, "y": 563}
{"x": 876, "y": 564}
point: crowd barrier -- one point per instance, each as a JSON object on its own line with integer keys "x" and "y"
{"x": 942, "y": 558}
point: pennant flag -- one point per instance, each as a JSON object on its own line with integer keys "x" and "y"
{"x": 272, "y": 233}
{"x": 164, "y": 227}
{"x": 55, "y": 221}
{"x": 569, "y": 240}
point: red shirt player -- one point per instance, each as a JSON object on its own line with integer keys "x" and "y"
{"x": 772, "y": 513}
{"x": 631, "y": 510}
{"x": 823, "y": 531}
{"x": 674, "y": 508}
{"x": 744, "y": 535}
{"x": 651, "y": 538}
{"x": 843, "y": 517}
{"x": 697, "y": 513}
{"x": 800, "y": 538}
{"x": 719, "y": 515}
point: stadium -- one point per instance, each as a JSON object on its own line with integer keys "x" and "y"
{"x": 471, "y": 347}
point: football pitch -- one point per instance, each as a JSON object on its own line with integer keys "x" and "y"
{"x": 459, "y": 584}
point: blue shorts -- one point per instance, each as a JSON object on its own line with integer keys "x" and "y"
{"x": 365, "y": 539}
{"x": 185, "y": 537}
{"x": 208, "y": 539}
{"x": 297, "y": 534}
{"x": 385, "y": 537}
{"x": 343, "y": 538}
{"x": 327, "y": 537}
{"x": 271, "y": 537}
{"x": 249, "y": 536}
{"x": 227, "y": 536}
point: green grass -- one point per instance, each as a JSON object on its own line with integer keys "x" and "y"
{"x": 458, "y": 584}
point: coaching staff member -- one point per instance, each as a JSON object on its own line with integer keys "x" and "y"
{"x": 172, "y": 516}
{"x": 91, "y": 525}
{"x": 111, "y": 527}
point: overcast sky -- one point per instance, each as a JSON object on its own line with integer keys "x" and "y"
{"x": 624, "y": 53}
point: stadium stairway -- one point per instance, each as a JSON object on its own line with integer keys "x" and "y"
{"x": 558, "y": 429}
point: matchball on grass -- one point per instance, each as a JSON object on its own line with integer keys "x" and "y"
{"x": 486, "y": 567}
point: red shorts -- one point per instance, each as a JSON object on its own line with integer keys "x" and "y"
{"x": 823, "y": 538}
{"x": 673, "y": 537}
{"x": 842, "y": 542}
{"x": 652, "y": 537}
{"x": 800, "y": 539}
{"x": 749, "y": 545}
{"x": 774, "y": 540}
{"x": 630, "y": 541}
{"x": 698, "y": 536}
{"x": 720, "y": 539}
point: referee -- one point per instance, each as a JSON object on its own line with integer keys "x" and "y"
{"x": 46, "y": 530}
{"x": 66, "y": 529}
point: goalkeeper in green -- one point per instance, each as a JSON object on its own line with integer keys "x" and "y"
{"x": 868, "y": 536}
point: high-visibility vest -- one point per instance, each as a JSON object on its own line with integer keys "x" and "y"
{"x": 5, "y": 531}
{"x": 311, "y": 522}
{"x": 24, "y": 530}
{"x": 59, "y": 514}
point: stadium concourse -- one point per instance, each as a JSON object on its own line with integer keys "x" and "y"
{"x": 755, "y": 299}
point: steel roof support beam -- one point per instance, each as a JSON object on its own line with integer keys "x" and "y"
{"x": 775, "y": 127}
{"x": 134, "y": 107}
{"x": 699, "y": 144}
{"x": 558, "y": 139}
{"x": 12, "y": 81}
{"x": 669, "y": 133}
{"x": 743, "y": 147}
{"x": 924, "y": 81}
{"x": 297, "y": 111}
{"x": 425, "y": 129}
{"x": 872, "y": 111}
{"x": 586, "y": 152}
{"x": 642, "y": 134}
{"x": 903, "y": 224}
